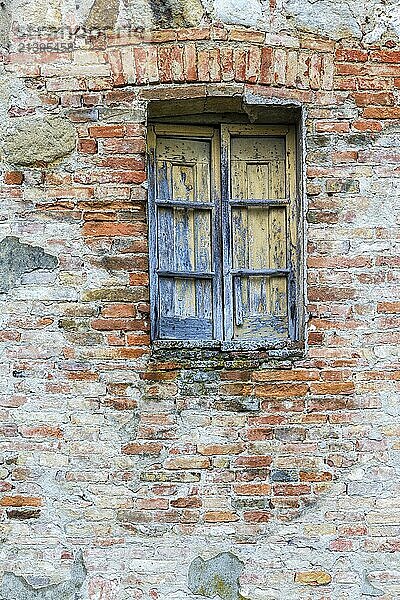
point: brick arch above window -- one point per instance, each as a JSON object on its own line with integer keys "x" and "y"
{"x": 245, "y": 58}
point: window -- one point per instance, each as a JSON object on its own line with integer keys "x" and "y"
{"x": 224, "y": 225}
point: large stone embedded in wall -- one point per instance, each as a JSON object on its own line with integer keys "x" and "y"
{"x": 176, "y": 13}
{"x": 216, "y": 577}
{"x": 324, "y": 17}
{"x": 14, "y": 587}
{"x": 17, "y": 258}
{"x": 33, "y": 141}
{"x": 156, "y": 14}
{"x": 103, "y": 14}
{"x": 250, "y": 13}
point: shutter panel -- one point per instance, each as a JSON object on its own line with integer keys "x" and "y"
{"x": 184, "y": 212}
{"x": 257, "y": 213}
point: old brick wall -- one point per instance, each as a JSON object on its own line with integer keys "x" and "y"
{"x": 149, "y": 462}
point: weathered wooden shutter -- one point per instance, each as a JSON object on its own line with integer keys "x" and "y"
{"x": 260, "y": 239}
{"x": 186, "y": 282}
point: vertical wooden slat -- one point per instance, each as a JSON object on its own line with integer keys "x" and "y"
{"x": 217, "y": 234}
{"x": 294, "y": 251}
{"x": 226, "y": 231}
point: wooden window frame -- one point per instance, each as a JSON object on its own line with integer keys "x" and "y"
{"x": 223, "y": 297}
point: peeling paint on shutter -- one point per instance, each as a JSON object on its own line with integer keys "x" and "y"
{"x": 257, "y": 211}
{"x": 184, "y": 209}
{"x": 236, "y": 225}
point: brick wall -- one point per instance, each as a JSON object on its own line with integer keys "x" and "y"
{"x": 147, "y": 459}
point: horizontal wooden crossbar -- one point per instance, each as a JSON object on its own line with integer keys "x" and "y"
{"x": 185, "y": 274}
{"x": 259, "y": 272}
{"x": 184, "y": 204}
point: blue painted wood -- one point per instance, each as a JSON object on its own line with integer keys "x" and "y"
{"x": 182, "y": 266}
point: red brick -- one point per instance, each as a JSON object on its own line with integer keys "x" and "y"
{"x": 351, "y": 55}
{"x": 386, "y": 56}
{"x": 107, "y": 131}
{"x": 123, "y": 162}
{"x": 288, "y": 489}
{"x": 377, "y": 112}
{"x": 109, "y": 176}
{"x": 189, "y": 502}
{"x": 164, "y": 64}
{"x": 203, "y": 65}
{"x": 87, "y": 146}
{"x": 245, "y": 35}
{"x": 118, "y": 324}
{"x": 152, "y": 504}
{"x": 389, "y": 307}
{"x": 341, "y": 545}
{"x": 194, "y": 33}
{"x": 220, "y": 516}
{"x": 124, "y": 146}
{"x": 114, "y": 58}
{"x": 257, "y": 516}
{"x": 362, "y": 125}
{"x": 118, "y": 310}
{"x": 227, "y": 65}
{"x": 253, "y": 462}
{"x": 236, "y": 389}
{"x": 20, "y": 501}
{"x": 259, "y": 434}
{"x": 107, "y": 229}
{"x": 41, "y": 431}
{"x": 281, "y": 390}
{"x": 374, "y": 98}
{"x": 13, "y": 178}
{"x": 219, "y": 449}
{"x": 190, "y": 62}
{"x": 188, "y": 462}
{"x": 177, "y": 68}
{"x": 344, "y": 156}
{"x": 151, "y": 448}
{"x": 332, "y": 126}
{"x": 240, "y": 62}
{"x": 285, "y": 375}
{"x": 332, "y": 388}
{"x": 315, "y": 476}
{"x": 252, "y": 489}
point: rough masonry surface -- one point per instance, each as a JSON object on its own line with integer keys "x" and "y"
{"x": 193, "y": 472}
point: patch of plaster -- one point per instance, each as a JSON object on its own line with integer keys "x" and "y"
{"x": 385, "y": 20}
{"x": 370, "y": 590}
{"x": 17, "y": 258}
{"x": 250, "y": 13}
{"x": 35, "y": 141}
{"x": 42, "y": 13}
{"x": 216, "y": 577}
{"x": 334, "y": 20}
{"x": 14, "y": 587}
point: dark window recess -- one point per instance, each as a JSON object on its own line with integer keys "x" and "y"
{"x": 225, "y": 242}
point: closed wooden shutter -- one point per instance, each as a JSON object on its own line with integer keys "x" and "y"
{"x": 224, "y": 242}
{"x": 259, "y": 234}
{"x": 188, "y": 295}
